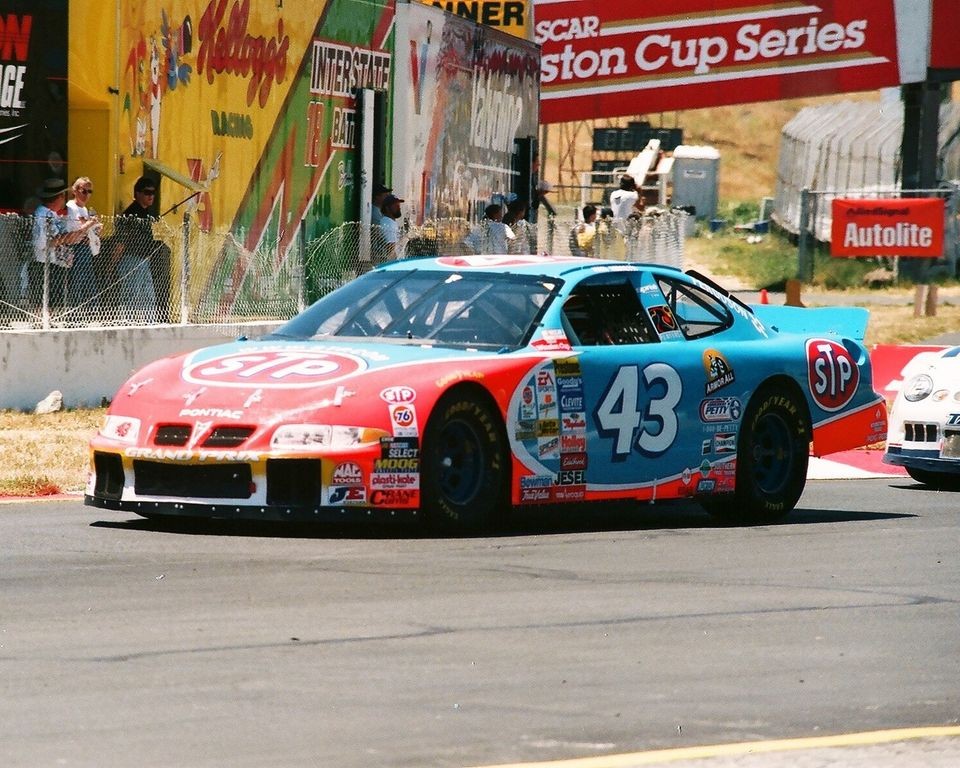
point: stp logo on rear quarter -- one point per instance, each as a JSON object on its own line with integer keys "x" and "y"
{"x": 272, "y": 369}
{"x": 832, "y": 374}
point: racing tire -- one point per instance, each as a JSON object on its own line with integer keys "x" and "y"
{"x": 942, "y": 481}
{"x": 464, "y": 482}
{"x": 772, "y": 456}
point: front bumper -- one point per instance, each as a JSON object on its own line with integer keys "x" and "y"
{"x": 267, "y": 513}
{"x": 250, "y": 486}
{"x": 927, "y": 460}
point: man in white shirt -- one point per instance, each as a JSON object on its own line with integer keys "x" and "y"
{"x": 390, "y": 208}
{"x": 625, "y": 200}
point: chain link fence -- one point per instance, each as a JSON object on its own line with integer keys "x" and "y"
{"x": 180, "y": 274}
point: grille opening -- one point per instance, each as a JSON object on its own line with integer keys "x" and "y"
{"x": 916, "y": 432}
{"x": 205, "y": 481}
{"x": 172, "y": 434}
{"x": 293, "y": 482}
{"x": 227, "y": 437}
{"x": 109, "y": 472}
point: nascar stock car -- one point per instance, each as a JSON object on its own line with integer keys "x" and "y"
{"x": 923, "y": 434}
{"x": 453, "y": 389}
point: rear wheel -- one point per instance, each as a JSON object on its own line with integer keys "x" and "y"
{"x": 942, "y": 481}
{"x": 772, "y": 456}
{"x": 465, "y": 472}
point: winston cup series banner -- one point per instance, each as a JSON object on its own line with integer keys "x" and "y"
{"x": 603, "y": 58}
{"x": 900, "y": 227}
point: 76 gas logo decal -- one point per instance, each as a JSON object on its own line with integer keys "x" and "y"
{"x": 832, "y": 374}
{"x": 639, "y": 409}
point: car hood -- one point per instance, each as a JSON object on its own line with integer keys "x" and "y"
{"x": 259, "y": 381}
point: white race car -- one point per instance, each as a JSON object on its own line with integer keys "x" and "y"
{"x": 923, "y": 430}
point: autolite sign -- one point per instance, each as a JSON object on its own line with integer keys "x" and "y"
{"x": 903, "y": 227}
{"x": 620, "y": 57}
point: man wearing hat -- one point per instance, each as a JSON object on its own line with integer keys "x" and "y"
{"x": 142, "y": 258}
{"x": 51, "y": 244}
{"x": 390, "y": 208}
{"x": 379, "y": 193}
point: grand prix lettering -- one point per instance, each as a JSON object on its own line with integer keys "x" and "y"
{"x": 832, "y": 374}
{"x": 626, "y": 418}
{"x": 182, "y": 454}
{"x": 276, "y": 369}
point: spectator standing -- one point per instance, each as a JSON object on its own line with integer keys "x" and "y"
{"x": 84, "y": 286}
{"x": 544, "y": 187}
{"x": 491, "y": 235}
{"x": 52, "y": 241}
{"x": 516, "y": 219}
{"x": 380, "y": 193}
{"x": 625, "y": 200}
{"x": 143, "y": 262}
{"x": 584, "y": 233}
{"x": 390, "y": 208}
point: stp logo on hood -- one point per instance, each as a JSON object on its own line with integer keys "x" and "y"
{"x": 272, "y": 369}
{"x": 832, "y": 374}
{"x": 399, "y": 394}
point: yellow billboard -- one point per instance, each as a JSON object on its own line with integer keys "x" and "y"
{"x": 511, "y": 16}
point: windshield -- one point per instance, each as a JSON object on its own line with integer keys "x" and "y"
{"x": 450, "y": 308}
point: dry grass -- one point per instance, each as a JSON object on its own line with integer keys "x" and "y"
{"x": 45, "y": 454}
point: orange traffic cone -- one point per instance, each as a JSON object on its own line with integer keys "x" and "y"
{"x": 764, "y": 298}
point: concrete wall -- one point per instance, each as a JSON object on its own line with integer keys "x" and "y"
{"x": 89, "y": 364}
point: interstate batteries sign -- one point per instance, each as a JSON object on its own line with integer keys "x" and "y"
{"x": 620, "y": 57}
{"x": 900, "y": 227}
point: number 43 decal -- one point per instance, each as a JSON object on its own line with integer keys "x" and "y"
{"x": 621, "y": 413}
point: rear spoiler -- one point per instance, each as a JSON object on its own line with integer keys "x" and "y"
{"x": 845, "y": 322}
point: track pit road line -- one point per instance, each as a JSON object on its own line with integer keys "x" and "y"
{"x": 744, "y": 749}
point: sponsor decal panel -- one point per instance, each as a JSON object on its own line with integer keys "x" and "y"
{"x": 832, "y": 374}
{"x": 720, "y": 409}
{"x": 387, "y": 497}
{"x": 347, "y": 473}
{"x": 718, "y": 371}
{"x": 346, "y": 494}
{"x": 403, "y": 417}
{"x": 725, "y": 442}
{"x": 573, "y": 461}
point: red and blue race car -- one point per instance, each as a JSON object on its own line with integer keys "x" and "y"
{"x": 453, "y": 389}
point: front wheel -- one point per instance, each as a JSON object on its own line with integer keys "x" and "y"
{"x": 772, "y": 455}
{"x": 465, "y": 473}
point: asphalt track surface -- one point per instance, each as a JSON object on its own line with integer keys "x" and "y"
{"x": 641, "y": 637}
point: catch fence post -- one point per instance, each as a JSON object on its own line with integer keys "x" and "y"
{"x": 804, "y": 244}
{"x": 300, "y": 270}
{"x": 185, "y": 271}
